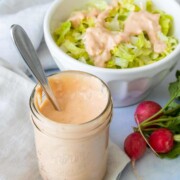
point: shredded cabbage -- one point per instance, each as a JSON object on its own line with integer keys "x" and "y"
{"x": 138, "y": 52}
{"x": 99, "y": 4}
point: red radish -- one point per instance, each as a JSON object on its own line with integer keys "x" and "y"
{"x": 135, "y": 146}
{"x": 145, "y": 110}
{"x": 161, "y": 140}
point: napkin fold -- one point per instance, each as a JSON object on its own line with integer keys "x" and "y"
{"x": 17, "y": 148}
{"x": 17, "y": 153}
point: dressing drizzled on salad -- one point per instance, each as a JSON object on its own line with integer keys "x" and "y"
{"x": 117, "y": 37}
{"x": 99, "y": 41}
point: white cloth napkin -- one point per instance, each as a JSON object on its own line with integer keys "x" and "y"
{"x": 29, "y": 14}
{"x": 17, "y": 149}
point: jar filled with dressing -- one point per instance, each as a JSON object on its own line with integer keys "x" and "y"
{"x": 72, "y": 144}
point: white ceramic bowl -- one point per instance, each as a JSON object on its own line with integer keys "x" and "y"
{"x": 128, "y": 86}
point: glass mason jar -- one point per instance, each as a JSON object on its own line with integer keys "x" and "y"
{"x": 72, "y": 151}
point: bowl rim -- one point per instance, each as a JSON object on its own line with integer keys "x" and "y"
{"x": 49, "y": 39}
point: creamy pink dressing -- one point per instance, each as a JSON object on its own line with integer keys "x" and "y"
{"x": 99, "y": 41}
{"x": 81, "y": 98}
{"x": 137, "y": 22}
{"x": 77, "y": 17}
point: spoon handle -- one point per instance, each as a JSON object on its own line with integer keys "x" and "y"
{"x": 30, "y": 57}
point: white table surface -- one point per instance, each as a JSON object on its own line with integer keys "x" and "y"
{"x": 121, "y": 126}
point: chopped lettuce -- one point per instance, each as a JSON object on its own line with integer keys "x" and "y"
{"x": 73, "y": 49}
{"x": 165, "y": 23}
{"x": 100, "y": 4}
{"x": 149, "y": 6}
{"x": 137, "y": 52}
{"x": 61, "y": 32}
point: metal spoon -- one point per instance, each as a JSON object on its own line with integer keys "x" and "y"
{"x": 27, "y": 51}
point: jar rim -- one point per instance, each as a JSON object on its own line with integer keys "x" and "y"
{"x": 39, "y": 115}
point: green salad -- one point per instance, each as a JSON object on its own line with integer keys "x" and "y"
{"x": 135, "y": 50}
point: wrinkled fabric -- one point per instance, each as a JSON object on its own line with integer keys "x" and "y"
{"x": 29, "y": 14}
